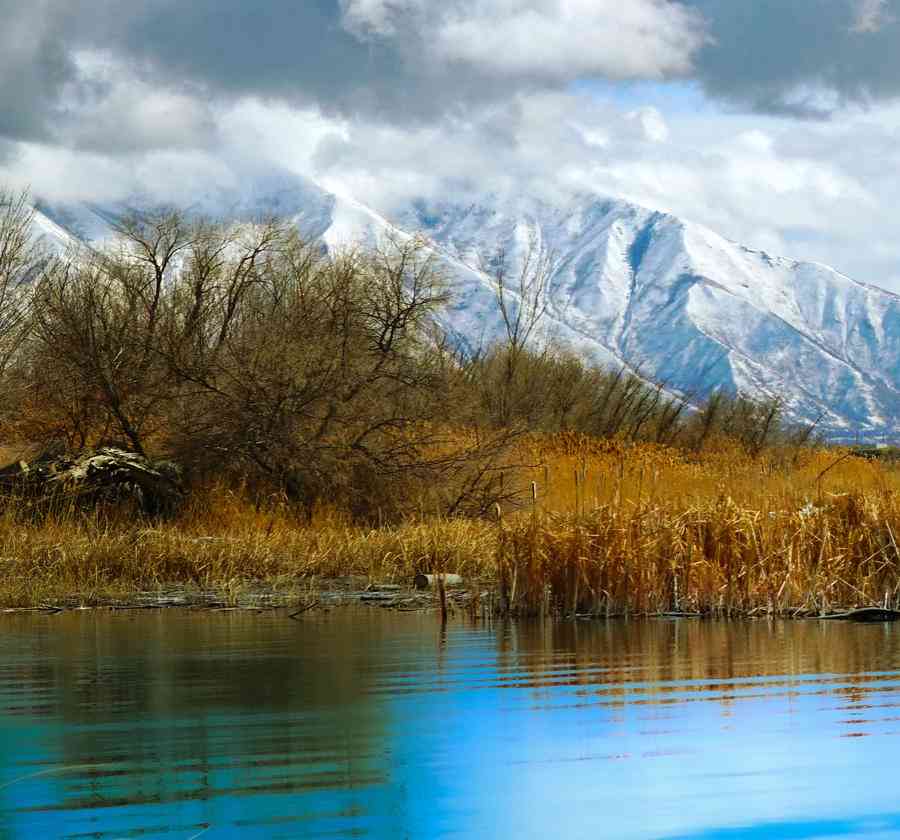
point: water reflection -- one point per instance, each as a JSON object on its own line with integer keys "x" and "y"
{"x": 376, "y": 724}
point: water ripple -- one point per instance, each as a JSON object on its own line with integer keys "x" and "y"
{"x": 366, "y": 723}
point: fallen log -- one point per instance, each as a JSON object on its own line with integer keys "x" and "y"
{"x": 108, "y": 475}
{"x": 375, "y": 597}
{"x": 307, "y": 608}
{"x": 863, "y": 614}
{"x": 423, "y": 581}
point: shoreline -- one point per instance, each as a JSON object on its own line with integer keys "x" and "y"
{"x": 478, "y": 602}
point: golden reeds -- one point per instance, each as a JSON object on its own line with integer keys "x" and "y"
{"x": 603, "y": 529}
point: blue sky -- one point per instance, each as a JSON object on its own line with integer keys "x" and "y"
{"x": 672, "y": 99}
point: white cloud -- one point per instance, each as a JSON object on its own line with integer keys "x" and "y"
{"x": 550, "y": 40}
{"x": 60, "y": 174}
{"x": 871, "y": 16}
{"x": 110, "y": 108}
{"x": 56, "y": 173}
{"x": 652, "y": 123}
{"x": 375, "y": 17}
{"x": 574, "y": 38}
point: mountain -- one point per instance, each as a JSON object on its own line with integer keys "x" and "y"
{"x": 671, "y": 300}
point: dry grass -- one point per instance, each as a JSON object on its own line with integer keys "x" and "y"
{"x": 226, "y": 545}
{"x": 613, "y": 529}
{"x": 650, "y": 529}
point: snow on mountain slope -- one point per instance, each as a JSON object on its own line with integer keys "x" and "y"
{"x": 53, "y": 234}
{"x": 696, "y": 311}
{"x": 668, "y": 298}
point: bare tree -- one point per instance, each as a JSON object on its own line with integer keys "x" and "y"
{"x": 156, "y": 243}
{"x": 90, "y": 324}
{"x": 321, "y": 372}
{"x": 21, "y": 260}
{"x": 708, "y": 418}
{"x": 521, "y": 292}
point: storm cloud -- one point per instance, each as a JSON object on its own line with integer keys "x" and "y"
{"x": 380, "y": 60}
{"x": 391, "y": 60}
{"x": 35, "y": 66}
{"x": 800, "y": 57}
{"x": 415, "y": 61}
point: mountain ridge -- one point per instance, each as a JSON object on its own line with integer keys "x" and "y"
{"x": 666, "y": 297}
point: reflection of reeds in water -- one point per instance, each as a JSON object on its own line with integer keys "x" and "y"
{"x": 663, "y": 662}
{"x": 604, "y": 529}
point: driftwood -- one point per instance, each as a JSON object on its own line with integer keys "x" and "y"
{"x": 307, "y": 608}
{"x": 108, "y": 475}
{"x": 422, "y": 581}
{"x": 863, "y": 614}
{"x": 376, "y": 597}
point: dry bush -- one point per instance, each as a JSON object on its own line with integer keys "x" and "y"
{"x": 245, "y": 351}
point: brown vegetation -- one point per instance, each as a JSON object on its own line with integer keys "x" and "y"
{"x": 328, "y": 427}
{"x": 626, "y": 528}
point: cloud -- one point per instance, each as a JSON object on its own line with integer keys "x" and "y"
{"x": 113, "y": 110}
{"x": 652, "y": 123}
{"x": 548, "y": 40}
{"x": 402, "y": 61}
{"x": 871, "y": 16}
{"x": 34, "y": 66}
{"x": 408, "y": 62}
{"x": 797, "y": 57}
{"x": 368, "y": 18}
{"x": 393, "y": 99}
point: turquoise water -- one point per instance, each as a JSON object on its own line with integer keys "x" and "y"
{"x": 374, "y": 724}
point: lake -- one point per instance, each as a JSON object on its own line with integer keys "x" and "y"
{"x": 368, "y": 723}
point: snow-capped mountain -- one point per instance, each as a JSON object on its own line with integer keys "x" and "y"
{"x": 668, "y": 298}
